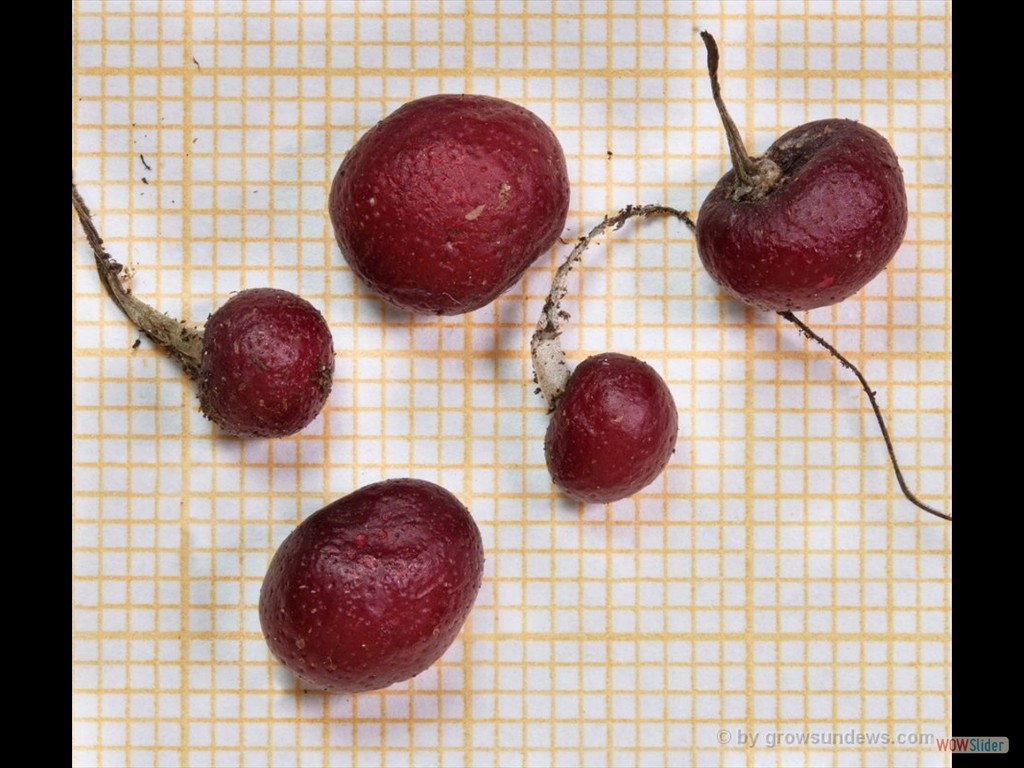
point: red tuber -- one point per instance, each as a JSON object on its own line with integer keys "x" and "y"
{"x": 809, "y": 223}
{"x": 264, "y": 363}
{"x": 614, "y": 423}
{"x": 374, "y": 588}
{"x": 441, "y": 206}
{"x": 806, "y": 225}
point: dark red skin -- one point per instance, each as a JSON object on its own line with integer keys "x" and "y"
{"x": 372, "y": 589}
{"x": 441, "y": 206}
{"x": 613, "y": 429}
{"x": 834, "y": 222}
{"x": 267, "y": 364}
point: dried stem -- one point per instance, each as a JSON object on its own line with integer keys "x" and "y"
{"x": 741, "y": 161}
{"x": 806, "y": 331}
{"x": 756, "y": 176}
{"x": 183, "y": 342}
{"x": 549, "y": 362}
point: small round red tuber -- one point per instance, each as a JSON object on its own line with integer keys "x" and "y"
{"x": 614, "y": 423}
{"x": 613, "y": 430}
{"x": 263, "y": 364}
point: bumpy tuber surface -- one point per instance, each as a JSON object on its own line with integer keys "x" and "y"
{"x": 806, "y": 225}
{"x": 263, "y": 365}
{"x": 809, "y": 223}
{"x": 267, "y": 364}
{"x": 374, "y": 588}
{"x": 441, "y": 206}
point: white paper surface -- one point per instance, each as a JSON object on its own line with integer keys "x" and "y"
{"x": 772, "y": 581}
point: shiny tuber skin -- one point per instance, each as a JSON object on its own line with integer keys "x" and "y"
{"x": 832, "y": 221}
{"x": 374, "y": 588}
{"x": 613, "y": 420}
{"x": 264, "y": 363}
{"x": 441, "y": 206}
{"x": 809, "y": 223}
{"x": 613, "y": 430}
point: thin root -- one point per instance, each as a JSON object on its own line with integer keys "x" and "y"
{"x": 550, "y": 368}
{"x": 806, "y": 331}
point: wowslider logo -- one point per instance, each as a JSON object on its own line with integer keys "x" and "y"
{"x": 993, "y": 745}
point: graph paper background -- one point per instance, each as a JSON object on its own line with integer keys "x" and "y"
{"x": 772, "y": 580}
